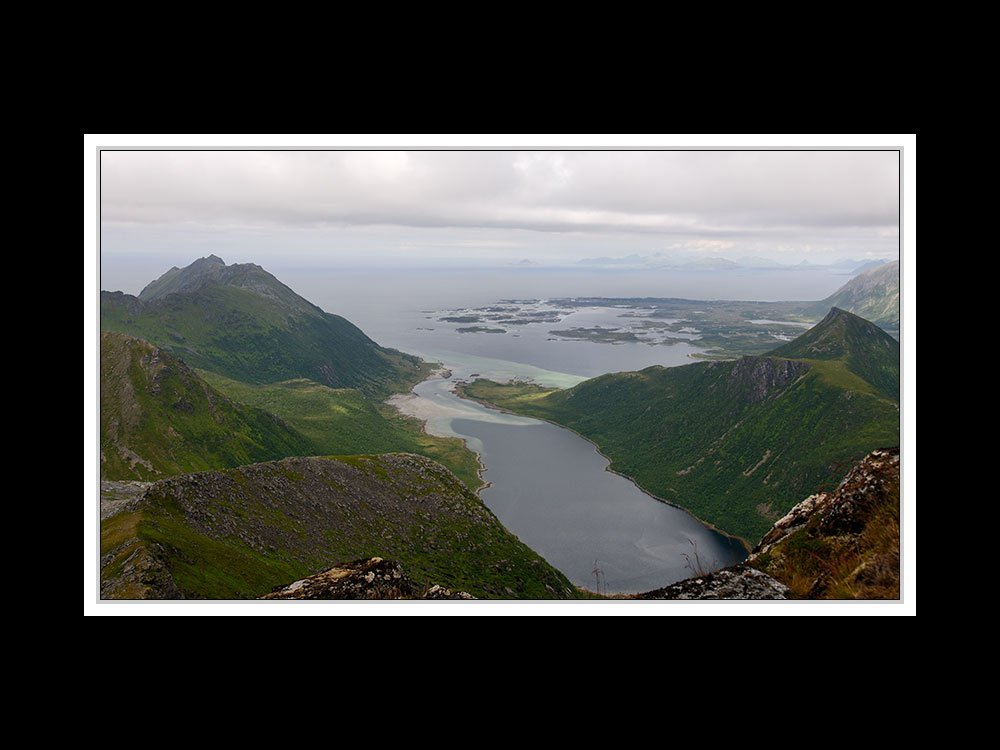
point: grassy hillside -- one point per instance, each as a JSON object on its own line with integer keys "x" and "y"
{"x": 239, "y": 533}
{"x": 257, "y": 341}
{"x": 159, "y": 418}
{"x": 342, "y": 421}
{"x": 737, "y": 443}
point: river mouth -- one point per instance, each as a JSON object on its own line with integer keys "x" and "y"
{"x": 552, "y": 489}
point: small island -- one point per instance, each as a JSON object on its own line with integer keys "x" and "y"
{"x": 480, "y": 329}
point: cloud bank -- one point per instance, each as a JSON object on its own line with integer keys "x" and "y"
{"x": 719, "y": 198}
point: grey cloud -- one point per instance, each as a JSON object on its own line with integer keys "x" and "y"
{"x": 690, "y": 193}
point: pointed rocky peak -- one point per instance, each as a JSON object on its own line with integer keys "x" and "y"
{"x": 840, "y": 334}
{"x": 865, "y": 349}
{"x": 187, "y": 279}
{"x": 208, "y": 261}
{"x": 834, "y": 314}
{"x": 213, "y": 270}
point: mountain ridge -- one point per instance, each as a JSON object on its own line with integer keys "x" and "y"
{"x": 213, "y": 270}
{"x": 872, "y": 294}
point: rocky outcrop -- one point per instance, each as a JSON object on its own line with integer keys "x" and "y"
{"x": 140, "y": 573}
{"x": 757, "y": 377}
{"x": 372, "y": 578}
{"x": 737, "y": 582}
{"x": 843, "y": 543}
{"x": 117, "y": 497}
{"x": 842, "y": 512}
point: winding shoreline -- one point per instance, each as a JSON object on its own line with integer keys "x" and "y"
{"x": 441, "y": 373}
{"x": 706, "y": 524}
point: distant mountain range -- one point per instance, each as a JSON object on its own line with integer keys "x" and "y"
{"x": 873, "y": 295}
{"x": 738, "y": 442}
{"x": 718, "y": 263}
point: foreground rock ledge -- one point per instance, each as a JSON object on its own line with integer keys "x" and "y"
{"x": 842, "y": 544}
{"x": 737, "y": 582}
{"x": 372, "y": 578}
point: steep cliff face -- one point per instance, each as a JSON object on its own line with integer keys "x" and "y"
{"x": 755, "y": 378}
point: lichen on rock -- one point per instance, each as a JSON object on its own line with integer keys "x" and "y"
{"x": 372, "y": 578}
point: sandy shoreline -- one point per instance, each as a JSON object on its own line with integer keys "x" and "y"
{"x": 413, "y": 405}
{"x": 423, "y": 410}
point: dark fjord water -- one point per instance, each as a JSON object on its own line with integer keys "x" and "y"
{"x": 595, "y": 526}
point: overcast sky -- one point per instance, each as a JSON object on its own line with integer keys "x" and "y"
{"x": 502, "y": 206}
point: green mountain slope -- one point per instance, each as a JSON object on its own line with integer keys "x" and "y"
{"x": 737, "y": 443}
{"x": 862, "y": 348}
{"x": 259, "y": 343}
{"x": 241, "y": 532}
{"x": 243, "y": 323}
{"x": 342, "y": 421}
{"x": 159, "y": 418}
{"x": 872, "y": 295}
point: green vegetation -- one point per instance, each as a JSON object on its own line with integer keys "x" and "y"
{"x": 736, "y": 443}
{"x": 598, "y": 334}
{"x": 159, "y": 418}
{"x": 298, "y": 380}
{"x": 858, "y": 558}
{"x": 244, "y": 336}
{"x": 342, "y": 421}
{"x": 855, "y": 345}
{"x": 239, "y": 533}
